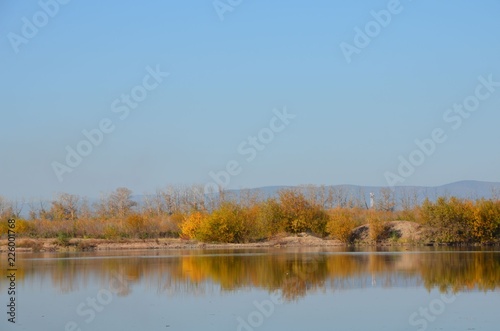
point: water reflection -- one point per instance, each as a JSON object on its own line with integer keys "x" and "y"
{"x": 295, "y": 273}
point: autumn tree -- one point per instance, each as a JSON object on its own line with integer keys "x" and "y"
{"x": 271, "y": 216}
{"x": 408, "y": 198}
{"x": 449, "y": 219}
{"x": 409, "y": 203}
{"x": 341, "y": 224}
{"x": 377, "y": 221}
{"x": 65, "y": 207}
{"x": 121, "y": 202}
{"x": 299, "y": 215}
{"x": 179, "y": 199}
{"x": 386, "y": 200}
{"x": 229, "y": 224}
{"x": 85, "y": 211}
{"x": 6, "y": 209}
{"x": 486, "y": 221}
{"x": 191, "y": 225}
{"x": 339, "y": 196}
{"x": 249, "y": 198}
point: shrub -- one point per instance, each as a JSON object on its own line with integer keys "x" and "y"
{"x": 228, "y": 224}
{"x": 319, "y": 220}
{"x": 299, "y": 215}
{"x": 486, "y": 221}
{"x": 377, "y": 222}
{"x": 111, "y": 231}
{"x": 257, "y": 226}
{"x": 136, "y": 225}
{"x": 89, "y": 227}
{"x": 4, "y": 227}
{"x": 62, "y": 239}
{"x": 168, "y": 228}
{"x": 341, "y": 224}
{"x": 271, "y": 217}
{"x": 450, "y": 219}
{"x": 191, "y": 226}
{"x": 24, "y": 227}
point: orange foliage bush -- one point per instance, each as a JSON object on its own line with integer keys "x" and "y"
{"x": 341, "y": 224}
{"x": 486, "y": 221}
{"x": 191, "y": 226}
{"x": 300, "y": 215}
{"x": 229, "y": 223}
{"x": 377, "y": 221}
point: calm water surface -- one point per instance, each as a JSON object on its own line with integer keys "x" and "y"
{"x": 245, "y": 290}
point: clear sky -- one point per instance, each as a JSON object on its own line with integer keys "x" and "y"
{"x": 66, "y": 71}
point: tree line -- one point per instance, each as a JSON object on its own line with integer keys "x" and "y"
{"x": 250, "y": 215}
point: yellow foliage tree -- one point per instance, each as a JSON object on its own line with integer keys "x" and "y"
{"x": 191, "y": 225}
{"x": 377, "y": 221}
{"x": 341, "y": 224}
{"x": 486, "y": 221}
{"x": 450, "y": 219}
{"x": 24, "y": 227}
{"x": 300, "y": 215}
{"x": 136, "y": 224}
{"x": 228, "y": 224}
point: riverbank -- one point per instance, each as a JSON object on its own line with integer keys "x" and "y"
{"x": 77, "y": 244}
{"x": 394, "y": 234}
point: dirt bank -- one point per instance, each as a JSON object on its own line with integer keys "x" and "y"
{"x": 395, "y": 233}
{"x": 53, "y": 245}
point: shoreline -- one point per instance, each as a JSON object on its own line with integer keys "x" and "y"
{"x": 88, "y": 245}
{"x": 395, "y": 234}
{"x": 29, "y": 245}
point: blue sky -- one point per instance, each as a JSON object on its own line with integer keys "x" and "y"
{"x": 353, "y": 120}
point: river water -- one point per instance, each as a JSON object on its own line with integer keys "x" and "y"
{"x": 256, "y": 289}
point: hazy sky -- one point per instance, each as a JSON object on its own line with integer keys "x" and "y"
{"x": 358, "y": 100}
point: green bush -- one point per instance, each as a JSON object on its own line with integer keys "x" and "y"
{"x": 62, "y": 239}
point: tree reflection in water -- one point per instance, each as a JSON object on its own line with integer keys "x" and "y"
{"x": 294, "y": 273}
